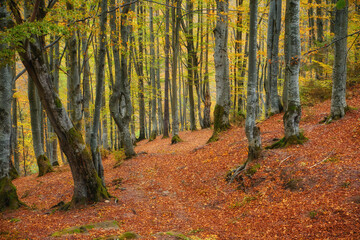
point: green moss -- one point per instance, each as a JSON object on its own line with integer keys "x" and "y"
{"x": 75, "y": 136}
{"x": 152, "y": 136}
{"x": 128, "y": 235}
{"x": 253, "y": 169}
{"x": 313, "y": 214}
{"x": 58, "y": 103}
{"x": 44, "y": 165}
{"x": 219, "y": 125}
{"x": 8, "y": 195}
{"x": 285, "y": 142}
{"x": 247, "y": 199}
{"x": 178, "y": 235}
{"x": 214, "y": 137}
{"x": 85, "y": 228}
{"x": 13, "y": 173}
{"x": 176, "y": 139}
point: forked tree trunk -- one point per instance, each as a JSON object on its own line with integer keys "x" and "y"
{"x": 338, "y": 99}
{"x": 252, "y": 131}
{"x": 120, "y": 100}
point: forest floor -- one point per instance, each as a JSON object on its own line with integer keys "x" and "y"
{"x": 309, "y": 191}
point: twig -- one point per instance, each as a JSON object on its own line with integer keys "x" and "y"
{"x": 285, "y": 159}
{"x": 323, "y": 159}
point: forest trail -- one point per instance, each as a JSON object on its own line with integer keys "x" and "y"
{"x": 309, "y": 191}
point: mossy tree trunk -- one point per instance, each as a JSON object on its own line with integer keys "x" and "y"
{"x": 8, "y": 195}
{"x": 338, "y": 99}
{"x": 252, "y": 131}
{"x": 292, "y": 60}
{"x": 222, "y": 108}
{"x": 88, "y": 187}
{"x": 43, "y": 162}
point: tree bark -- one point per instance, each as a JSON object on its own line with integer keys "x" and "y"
{"x": 222, "y": 108}
{"x": 167, "y": 72}
{"x": 252, "y": 131}
{"x": 273, "y": 104}
{"x": 176, "y": 16}
{"x": 154, "y": 129}
{"x": 292, "y": 69}
{"x": 338, "y": 99}
{"x": 100, "y": 77}
{"x": 8, "y": 195}
{"x": 120, "y": 100}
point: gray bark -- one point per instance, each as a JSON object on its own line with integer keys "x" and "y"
{"x": 120, "y": 100}
{"x": 154, "y": 129}
{"x": 273, "y": 104}
{"x": 338, "y": 99}
{"x": 8, "y": 195}
{"x": 176, "y": 16}
{"x": 252, "y": 131}
{"x": 100, "y": 77}
{"x": 292, "y": 69}
{"x": 75, "y": 96}
{"x": 167, "y": 72}
{"x": 86, "y": 89}
{"x": 222, "y": 108}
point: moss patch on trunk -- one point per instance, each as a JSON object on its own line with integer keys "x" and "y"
{"x": 176, "y": 139}
{"x": 44, "y": 165}
{"x": 285, "y": 142}
{"x": 8, "y": 196}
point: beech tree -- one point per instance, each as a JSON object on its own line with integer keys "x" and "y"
{"x": 273, "y": 104}
{"x": 87, "y": 184}
{"x": 222, "y": 107}
{"x": 252, "y": 131}
{"x": 338, "y": 99}
{"x": 8, "y": 195}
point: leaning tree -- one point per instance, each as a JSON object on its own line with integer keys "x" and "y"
{"x": 31, "y": 47}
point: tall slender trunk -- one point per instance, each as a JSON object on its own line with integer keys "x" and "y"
{"x": 75, "y": 96}
{"x": 100, "y": 78}
{"x": 86, "y": 89}
{"x": 252, "y": 131}
{"x": 167, "y": 72}
{"x": 176, "y": 17}
{"x": 222, "y": 108}
{"x": 338, "y": 99}
{"x": 320, "y": 39}
{"x": 8, "y": 195}
{"x": 207, "y": 98}
{"x": 273, "y": 104}
{"x": 292, "y": 60}
{"x": 154, "y": 128}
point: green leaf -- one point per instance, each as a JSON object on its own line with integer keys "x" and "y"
{"x": 340, "y": 4}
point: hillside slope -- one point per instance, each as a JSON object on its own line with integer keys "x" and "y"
{"x": 309, "y": 191}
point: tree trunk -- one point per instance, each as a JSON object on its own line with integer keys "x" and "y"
{"x": 35, "y": 111}
{"x": 273, "y": 104}
{"x": 86, "y": 89}
{"x": 167, "y": 72}
{"x": 140, "y": 72}
{"x": 222, "y": 108}
{"x": 338, "y": 99}
{"x": 292, "y": 60}
{"x": 176, "y": 16}
{"x": 100, "y": 77}
{"x": 320, "y": 39}
{"x": 75, "y": 98}
{"x": 120, "y": 100}
{"x": 252, "y": 131}
{"x": 207, "y": 98}
{"x": 15, "y": 144}
{"x": 8, "y": 195}
{"x": 154, "y": 128}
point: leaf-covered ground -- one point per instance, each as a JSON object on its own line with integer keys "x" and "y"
{"x": 309, "y": 191}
